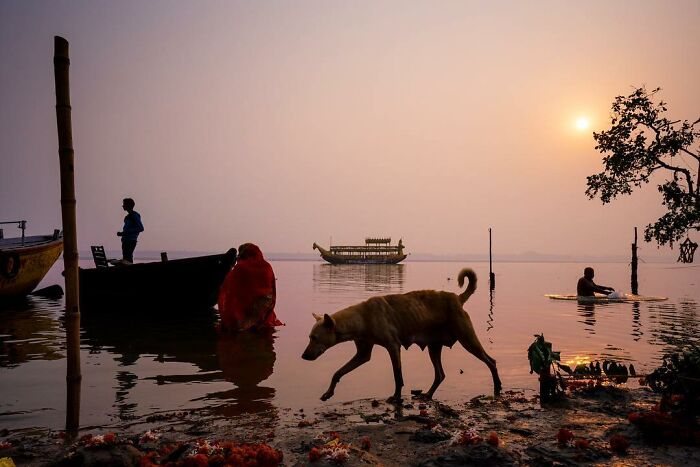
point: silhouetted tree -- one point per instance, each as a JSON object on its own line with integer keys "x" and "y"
{"x": 643, "y": 141}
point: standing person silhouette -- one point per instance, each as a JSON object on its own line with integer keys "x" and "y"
{"x": 587, "y": 288}
{"x": 132, "y": 228}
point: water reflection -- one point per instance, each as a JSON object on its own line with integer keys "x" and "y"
{"x": 673, "y": 327}
{"x": 375, "y": 278}
{"x": 244, "y": 359}
{"x": 29, "y": 330}
{"x": 489, "y": 319}
{"x": 191, "y": 340}
{"x": 134, "y": 366}
{"x": 587, "y": 312}
{"x": 637, "y": 332}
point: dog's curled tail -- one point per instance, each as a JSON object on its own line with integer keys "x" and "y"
{"x": 466, "y": 272}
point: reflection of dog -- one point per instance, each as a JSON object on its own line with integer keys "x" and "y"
{"x": 427, "y": 317}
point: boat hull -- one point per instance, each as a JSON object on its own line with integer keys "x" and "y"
{"x": 337, "y": 259}
{"x": 23, "y": 267}
{"x": 179, "y": 285}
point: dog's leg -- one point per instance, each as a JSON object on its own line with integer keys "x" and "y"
{"x": 395, "y": 355}
{"x": 435, "y": 352}
{"x": 464, "y": 331}
{"x": 364, "y": 353}
{"x": 479, "y": 352}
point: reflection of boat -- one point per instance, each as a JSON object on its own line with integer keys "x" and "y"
{"x": 30, "y": 331}
{"x": 375, "y": 278}
{"x": 169, "y": 286}
{"x": 374, "y": 251}
{"x": 190, "y": 339}
{"x": 245, "y": 359}
{"x": 24, "y": 261}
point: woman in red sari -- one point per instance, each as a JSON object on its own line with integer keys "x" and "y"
{"x": 247, "y": 296}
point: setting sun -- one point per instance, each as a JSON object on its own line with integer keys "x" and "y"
{"x": 582, "y": 123}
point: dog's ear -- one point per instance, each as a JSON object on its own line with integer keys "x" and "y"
{"x": 318, "y": 317}
{"x": 328, "y": 322}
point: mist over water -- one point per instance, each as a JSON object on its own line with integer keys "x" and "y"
{"x": 133, "y": 367}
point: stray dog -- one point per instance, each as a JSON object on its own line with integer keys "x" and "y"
{"x": 428, "y": 318}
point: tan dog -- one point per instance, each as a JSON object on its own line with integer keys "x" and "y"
{"x": 428, "y": 318}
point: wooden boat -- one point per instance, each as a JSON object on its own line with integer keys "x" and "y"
{"x": 169, "y": 286}
{"x": 374, "y": 251}
{"x": 24, "y": 261}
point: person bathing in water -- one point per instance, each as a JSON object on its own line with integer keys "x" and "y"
{"x": 587, "y": 288}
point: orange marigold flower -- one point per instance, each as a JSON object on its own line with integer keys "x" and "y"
{"x": 199, "y": 460}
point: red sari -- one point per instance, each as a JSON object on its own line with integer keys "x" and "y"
{"x": 247, "y": 296}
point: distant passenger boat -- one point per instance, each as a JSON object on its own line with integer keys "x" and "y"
{"x": 24, "y": 261}
{"x": 374, "y": 251}
{"x": 169, "y": 286}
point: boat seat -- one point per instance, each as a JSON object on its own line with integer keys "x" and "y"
{"x": 98, "y": 254}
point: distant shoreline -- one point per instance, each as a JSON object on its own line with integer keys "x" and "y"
{"x": 419, "y": 257}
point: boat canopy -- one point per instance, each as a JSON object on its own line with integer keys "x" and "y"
{"x": 372, "y": 240}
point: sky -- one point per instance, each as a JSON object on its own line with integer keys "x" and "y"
{"x": 285, "y": 123}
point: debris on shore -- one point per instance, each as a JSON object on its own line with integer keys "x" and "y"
{"x": 588, "y": 427}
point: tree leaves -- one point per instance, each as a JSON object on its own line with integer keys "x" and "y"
{"x": 640, "y": 143}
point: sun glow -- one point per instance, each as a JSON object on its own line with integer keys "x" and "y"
{"x": 578, "y": 360}
{"x": 582, "y": 123}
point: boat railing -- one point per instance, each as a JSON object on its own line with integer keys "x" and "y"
{"x": 365, "y": 251}
{"x": 20, "y": 225}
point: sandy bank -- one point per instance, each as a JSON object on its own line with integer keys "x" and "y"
{"x": 510, "y": 430}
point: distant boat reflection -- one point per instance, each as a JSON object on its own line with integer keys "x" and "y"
{"x": 374, "y": 278}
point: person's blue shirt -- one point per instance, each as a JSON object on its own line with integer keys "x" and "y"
{"x": 132, "y": 226}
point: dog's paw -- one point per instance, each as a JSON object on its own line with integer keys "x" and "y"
{"x": 395, "y": 400}
{"x": 326, "y": 395}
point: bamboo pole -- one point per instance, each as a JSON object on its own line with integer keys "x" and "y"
{"x": 492, "y": 276}
{"x": 635, "y": 285}
{"x": 61, "y": 63}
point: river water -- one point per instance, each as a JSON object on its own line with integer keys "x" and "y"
{"x": 135, "y": 366}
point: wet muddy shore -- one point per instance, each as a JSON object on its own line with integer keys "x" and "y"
{"x": 510, "y": 430}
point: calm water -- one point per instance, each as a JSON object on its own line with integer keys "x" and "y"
{"x": 132, "y": 368}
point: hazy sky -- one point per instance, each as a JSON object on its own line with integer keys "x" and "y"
{"x": 285, "y": 123}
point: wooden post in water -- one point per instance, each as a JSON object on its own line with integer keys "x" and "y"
{"x": 61, "y": 63}
{"x": 635, "y": 285}
{"x": 492, "y": 276}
